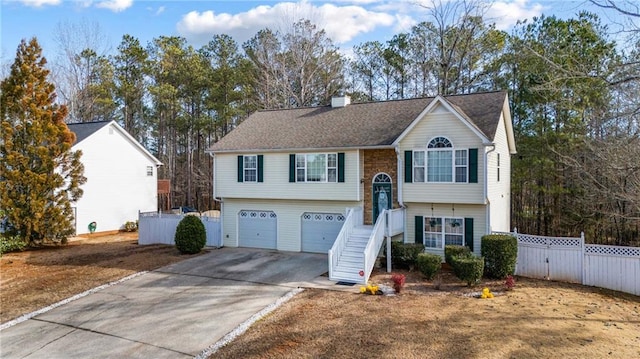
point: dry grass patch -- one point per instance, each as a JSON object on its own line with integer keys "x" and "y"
{"x": 539, "y": 319}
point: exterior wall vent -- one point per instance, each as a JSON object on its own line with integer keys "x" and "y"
{"x": 340, "y": 101}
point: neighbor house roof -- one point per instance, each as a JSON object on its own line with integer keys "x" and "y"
{"x": 85, "y": 129}
{"x": 371, "y": 124}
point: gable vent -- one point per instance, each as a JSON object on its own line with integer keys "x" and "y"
{"x": 340, "y": 101}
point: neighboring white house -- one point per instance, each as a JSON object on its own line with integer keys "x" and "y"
{"x": 286, "y": 178}
{"x": 121, "y": 177}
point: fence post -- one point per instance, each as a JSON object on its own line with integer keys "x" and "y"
{"x": 584, "y": 269}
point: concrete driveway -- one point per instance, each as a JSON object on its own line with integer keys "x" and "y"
{"x": 173, "y": 312}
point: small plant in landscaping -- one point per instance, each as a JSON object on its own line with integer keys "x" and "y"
{"x": 509, "y": 283}
{"x": 371, "y": 289}
{"x": 437, "y": 282}
{"x": 191, "y": 236}
{"x": 10, "y": 243}
{"x": 405, "y": 254}
{"x": 398, "y": 282}
{"x": 468, "y": 268}
{"x": 130, "y": 226}
{"x": 486, "y": 294}
{"x": 452, "y": 250}
{"x": 429, "y": 264}
{"x": 500, "y": 252}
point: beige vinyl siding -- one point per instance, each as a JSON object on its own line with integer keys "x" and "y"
{"x": 443, "y": 123}
{"x": 289, "y": 215}
{"x": 477, "y": 212}
{"x": 276, "y": 183}
{"x": 499, "y": 193}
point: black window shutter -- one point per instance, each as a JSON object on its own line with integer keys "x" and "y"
{"x": 473, "y": 165}
{"x": 292, "y": 168}
{"x": 408, "y": 166}
{"x": 260, "y": 166}
{"x": 420, "y": 229}
{"x": 468, "y": 233}
{"x": 240, "y": 168}
{"x": 340, "y": 166}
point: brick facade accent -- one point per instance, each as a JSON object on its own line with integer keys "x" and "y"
{"x": 376, "y": 161}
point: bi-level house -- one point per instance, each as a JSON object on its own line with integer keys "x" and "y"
{"x": 338, "y": 179}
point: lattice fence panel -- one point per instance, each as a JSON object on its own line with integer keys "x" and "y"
{"x": 612, "y": 250}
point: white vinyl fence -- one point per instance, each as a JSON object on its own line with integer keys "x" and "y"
{"x": 160, "y": 228}
{"x": 569, "y": 259}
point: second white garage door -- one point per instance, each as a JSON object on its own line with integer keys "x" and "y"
{"x": 319, "y": 231}
{"x": 257, "y": 229}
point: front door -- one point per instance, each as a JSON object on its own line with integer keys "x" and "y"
{"x": 382, "y": 194}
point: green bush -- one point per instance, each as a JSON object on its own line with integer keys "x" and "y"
{"x": 468, "y": 268}
{"x": 10, "y": 243}
{"x": 429, "y": 264}
{"x": 191, "y": 236}
{"x": 130, "y": 226}
{"x": 451, "y": 250}
{"x": 500, "y": 252}
{"x": 405, "y": 254}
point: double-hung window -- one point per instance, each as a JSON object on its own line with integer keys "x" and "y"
{"x": 250, "y": 168}
{"x": 441, "y": 231}
{"x": 317, "y": 167}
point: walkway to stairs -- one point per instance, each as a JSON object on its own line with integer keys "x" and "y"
{"x": 351, "y": 262}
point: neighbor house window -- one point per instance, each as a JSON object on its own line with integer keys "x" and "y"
{"x": 441, "y": 162}
{"x": 149, "y": 170}
{"x": 250, "y": 164}
{"x": 317, "y": 167}
{"x": 441, "y": 231}
{"x": 498, "y": 166}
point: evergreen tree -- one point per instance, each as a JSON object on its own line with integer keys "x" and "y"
{"x": 40, "y": 175}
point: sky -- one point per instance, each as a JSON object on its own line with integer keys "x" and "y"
{"x": 102, "y": 23}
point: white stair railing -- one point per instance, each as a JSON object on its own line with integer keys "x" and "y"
{"x": 395, "y": 222}
{"x": 374, "y": 244}
{"x": 340, "y": 243}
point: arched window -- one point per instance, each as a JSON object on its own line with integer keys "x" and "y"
{"x": 441, "y": 162}
{"x": 382, "y": 178}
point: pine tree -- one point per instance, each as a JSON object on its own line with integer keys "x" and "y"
{"x": 39, "y": 174}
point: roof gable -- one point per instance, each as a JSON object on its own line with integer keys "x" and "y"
{"x": 84, "y": 130}
{"x": 359, "y": 125}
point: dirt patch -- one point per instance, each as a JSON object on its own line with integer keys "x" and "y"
{"x": 538, "y": 319}
{"x": 37, "y": 278}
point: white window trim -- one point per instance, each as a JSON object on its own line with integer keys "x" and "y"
{"x": 245, "y": 168}
{"x": 443, "y": 232}
{"x": 326, "y": 167}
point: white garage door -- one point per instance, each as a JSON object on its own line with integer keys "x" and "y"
{"x": 257, "y": 229}
{"x": 319, "y": 231}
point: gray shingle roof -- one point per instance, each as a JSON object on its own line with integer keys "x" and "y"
{"x": 357, "y": 125}
{"x": 85, "y": 129}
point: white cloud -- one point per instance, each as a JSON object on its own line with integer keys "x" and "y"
{"x": 160, "y": 10}
{"x": 115, "y": 5}
{"x": 39, "y": 3}
{"x": 506, "y": 13}
{"x": 341, "y": 23}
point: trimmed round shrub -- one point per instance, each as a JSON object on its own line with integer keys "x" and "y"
{"x": 191, "y": 236}
{"x": 405, "y": 254}
{"x": 452, "y": 250}
{"x": 429, "y": 264}
{"x": 500, "y": 252}
{"x": 469, "y": 269}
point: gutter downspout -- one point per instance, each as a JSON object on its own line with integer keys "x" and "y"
{"x": 486, "y": 187}
{"x": 400, "y": 163}
{"x": 216, "y": 199}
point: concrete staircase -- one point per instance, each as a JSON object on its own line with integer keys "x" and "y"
{"x": 351, "y": 262}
